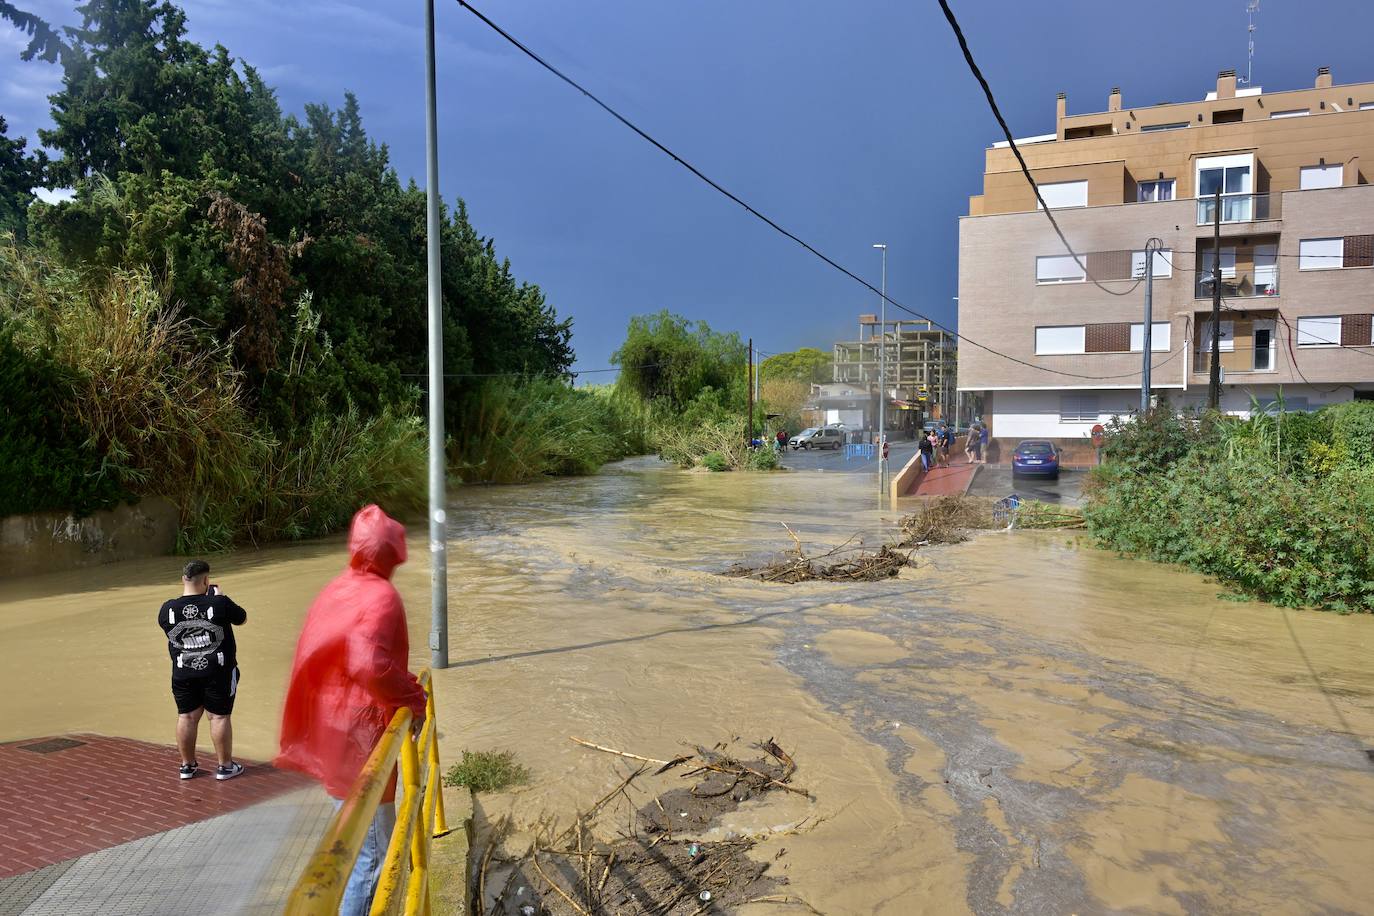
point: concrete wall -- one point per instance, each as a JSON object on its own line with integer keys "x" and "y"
{"x": 1015, "y": 415}
{"x": 53, "y": 540}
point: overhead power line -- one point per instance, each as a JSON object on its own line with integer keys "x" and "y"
{"x": 532, "y": 55}
{"x": 1016, "y": 151}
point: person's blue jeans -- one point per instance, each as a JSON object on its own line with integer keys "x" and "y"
{"x": 362, "y": 884}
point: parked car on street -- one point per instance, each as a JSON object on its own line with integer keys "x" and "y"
{"x": 822, "y": 437}
{"x": 1035, "y": 458}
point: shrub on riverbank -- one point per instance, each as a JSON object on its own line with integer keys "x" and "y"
{"x": 517, "y": 430}
{"x": 158, "y": 409}
{"x": 1279, "y": 506}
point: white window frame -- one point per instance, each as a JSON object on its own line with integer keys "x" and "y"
{"x": 1053, "y": 191}
{"x": 1321, "y": 257}
{"x": 1052, "y": 269}
{"x": 1073, "y": 340}
{"x": 1163, "y": 264}
{"x": 1170, "y": 125}
{"x": 1227, "y": 344}
{"x": 1319, "y": 335}
{"x": 1321, "y": 176}
{"x": 1290, "y": 113}
{"x": 1080, "y": 408}
{"x": 1155, "y": 184}
{"x": 1159, "y": 336}
{"x": 1365, "y": 106}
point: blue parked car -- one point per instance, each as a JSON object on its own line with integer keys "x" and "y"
{"x": 1035, "y": 458}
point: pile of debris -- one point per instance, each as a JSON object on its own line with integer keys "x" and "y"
{"x": 660, "y": 865}
{"x": 845, "y": 564}
{"x": 948, "y": 520}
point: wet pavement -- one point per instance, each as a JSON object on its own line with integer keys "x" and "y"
{"x": 996, "y": 481}
{"x": 1020, "y": 723}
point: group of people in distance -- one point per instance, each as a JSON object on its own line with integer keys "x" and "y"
{"x": 348, "y": 679}
{"x": 936, "y": 445}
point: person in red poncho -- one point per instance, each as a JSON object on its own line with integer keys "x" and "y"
{"x": 349, "y": 678}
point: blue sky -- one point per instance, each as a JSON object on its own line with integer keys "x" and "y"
{"x": 850, "y": 123}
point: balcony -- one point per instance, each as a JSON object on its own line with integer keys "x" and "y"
{"x": 1240, "y": 208}
{"x": 1249, "y": 267}
{"x": 1261, "y": 281}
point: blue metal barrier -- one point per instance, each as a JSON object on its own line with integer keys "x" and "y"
{"x": 865, "y": 450}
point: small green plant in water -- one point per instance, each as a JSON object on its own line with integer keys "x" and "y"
{"x": 763, "y": 459}
{"x": 715, "y": 461}
{"x": 487, "y": 771}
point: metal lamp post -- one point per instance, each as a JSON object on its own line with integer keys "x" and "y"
{"x": 438, "y": 521}
{"x": 882, "y": 376}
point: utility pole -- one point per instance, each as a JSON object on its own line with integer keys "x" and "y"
{"x": 1214, "y": 375}
{"x": 749, "y": 383}
{"x": 438, "y": 518}
{"x": 1151, "y": 247}
{"x": 882, "y": 376}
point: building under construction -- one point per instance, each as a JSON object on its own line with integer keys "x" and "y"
{"x": 921, "y": 364}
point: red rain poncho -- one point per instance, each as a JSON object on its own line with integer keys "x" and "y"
{"x": 350, "y": 674}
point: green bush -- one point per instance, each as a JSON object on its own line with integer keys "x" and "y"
{"x": 514, "y": 431}
{"x": 763, "y": 459}
{"x": 1251, "y": 507}
{"x": 487, "y": 771}
{"x": 686, "y": 445}
{"x": 46, "y": 459}
{"x": 715, "y": 461}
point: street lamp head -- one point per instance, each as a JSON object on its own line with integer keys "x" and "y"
{"x": 883, "y": 247}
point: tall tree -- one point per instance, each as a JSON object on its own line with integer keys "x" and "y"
{"x": 20, "y": 173}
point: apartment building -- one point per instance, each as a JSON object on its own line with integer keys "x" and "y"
{"x": 1296, "y": 252}
{"x": 921, "y": 364}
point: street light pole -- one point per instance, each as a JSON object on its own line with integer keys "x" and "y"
{"x": 438, "y": 521}
{"x": 882, "y": 377}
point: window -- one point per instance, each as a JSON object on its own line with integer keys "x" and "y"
{"x": 1365, "y": 106}
{"x": 1052, "y": 341}
{"x": 1058, "y": 269}
{"x": 1079, "y": 408}
{"x": 1227, "y": 341}
{"x": 1357, "y": 330}
{"x": 1059, "y": 194}
{"x": 1172, "y": 125}
{"x": 1321, "y": 254}
{"x": 1163, "y": 189}
{"x": 1229, "y": 116}
{"x": 1290, "y": 113}
{"x": 1163, "y": 264}
{"x": 1266, "y": 270}
{"x": 1312, "y": 177}
{"x": 1319, "y": 332}
{"x": 1233, "y": 177}
{"x": 1159, "y": 337}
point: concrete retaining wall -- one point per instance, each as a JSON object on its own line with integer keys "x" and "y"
{"x": 49, "y": 541}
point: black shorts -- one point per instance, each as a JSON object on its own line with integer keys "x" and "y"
{"x": 215, "y": 693}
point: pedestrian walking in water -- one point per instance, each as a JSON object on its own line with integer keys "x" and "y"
{"x": 205, "y": 673}
{"x": 348, "y": 680}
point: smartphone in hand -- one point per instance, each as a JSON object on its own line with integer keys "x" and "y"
{"x": 213, "y": 590}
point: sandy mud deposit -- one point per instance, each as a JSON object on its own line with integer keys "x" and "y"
{"x": 1013, "y": 724}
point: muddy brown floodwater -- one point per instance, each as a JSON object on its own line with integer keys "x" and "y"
{"x": 1019, "y": 724}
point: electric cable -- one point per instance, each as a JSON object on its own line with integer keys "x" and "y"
{"x": 1016, "y": 150}
{"x": 532, "y": 55}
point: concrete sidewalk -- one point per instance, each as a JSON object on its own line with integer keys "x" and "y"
{"x": 242, "y": 862}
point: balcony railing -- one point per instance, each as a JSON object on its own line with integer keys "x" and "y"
{"x": 1239, "y": 208}
{"x": 1262, "y": 280}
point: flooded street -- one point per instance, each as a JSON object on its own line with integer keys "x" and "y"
{"x": 1019, "y": 724}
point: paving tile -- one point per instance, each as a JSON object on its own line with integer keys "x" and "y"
{"x": 108, "y": 791}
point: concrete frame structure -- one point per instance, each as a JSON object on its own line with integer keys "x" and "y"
{"x": 921, "y": 363}
{"x": 1297, "y": 242}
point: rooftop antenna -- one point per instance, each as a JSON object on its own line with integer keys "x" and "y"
{"x": 1251, "y": 9}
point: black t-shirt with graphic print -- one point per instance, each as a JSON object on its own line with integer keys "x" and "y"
{"x": 200, "y": 634}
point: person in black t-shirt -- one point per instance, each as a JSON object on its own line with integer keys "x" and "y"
{"x": 205, "y": 674}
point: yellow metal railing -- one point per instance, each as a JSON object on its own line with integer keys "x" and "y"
{"x": 403, "y": 886}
